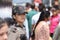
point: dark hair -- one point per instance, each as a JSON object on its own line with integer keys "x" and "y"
{"x": 2, "y": 21}
{"x": 5, "y": 3}
{"x": 49, "y": 8}
{"x": 41, "y": 7}
{"x": 33, "y": 6}
{"x": 28, "y": 4}
{"x": 43, "y": 15}
{"x": 9, "y": 21}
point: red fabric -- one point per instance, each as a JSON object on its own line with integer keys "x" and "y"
{"x": 38, "y": 1}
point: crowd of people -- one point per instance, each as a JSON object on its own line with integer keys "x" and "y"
{"x": 31, "y": 22}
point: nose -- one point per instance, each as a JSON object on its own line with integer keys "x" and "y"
{"x": 5, "y": 37}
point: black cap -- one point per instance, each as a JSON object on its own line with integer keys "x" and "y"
{"x": 18, "y": 10}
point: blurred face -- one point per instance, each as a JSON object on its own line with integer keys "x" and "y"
{"x": 3, "y": 32}
{"x": 20, "y": 18}
{"x": 54, "y": 13}
{"x": 58, "y": 11}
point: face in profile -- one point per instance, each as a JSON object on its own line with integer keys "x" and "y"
{"x": 3, "y": 31}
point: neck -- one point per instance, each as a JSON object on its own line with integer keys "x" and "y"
{"x": 21, "y": 24}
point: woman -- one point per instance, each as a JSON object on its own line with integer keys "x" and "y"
{"x": 17, "y": 30}
{"x": 3, "y": 29}
{"x": 41, "y": 30}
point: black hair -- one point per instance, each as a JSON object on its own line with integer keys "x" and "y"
{"x": 5, "y": 3}
{"x": 13, "y": 13}
{"x": 2, "y": 21}
{"x": 33, "y": 6}
{"x": 10, "y": 21}
{"x": 43, "y": 15}
{"x": 28, "y": 4}
{"x": 41, "y": 7}
{"x": 49, "y": 8}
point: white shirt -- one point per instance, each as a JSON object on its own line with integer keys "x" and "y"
{"x": 5, "y": 12}
{"x": 27, "y": 30}
{"x": 35, "y": 18}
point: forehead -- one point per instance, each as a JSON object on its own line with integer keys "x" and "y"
{"x": 20, "y": 14}
{"x": 4, "y": 28}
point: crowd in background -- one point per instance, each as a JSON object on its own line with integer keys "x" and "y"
{"x": 30, "y": 22}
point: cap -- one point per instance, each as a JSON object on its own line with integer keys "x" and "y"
{"x": 53, "y": 9}
{"x": 19, "y": 10}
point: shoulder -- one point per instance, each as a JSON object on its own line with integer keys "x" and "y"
{"x": 43, "y": 24}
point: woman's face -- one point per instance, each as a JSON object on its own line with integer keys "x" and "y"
{"x": 20, "y": 18}
{"x": 54, "y": 12}
{"x": 3, "y": 32}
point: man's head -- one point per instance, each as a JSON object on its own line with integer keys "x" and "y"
{"x": 3, "y": 29}
{"x": 28, "y": 5}
{"x": 33, "y": 6}
{"x": 18, "y": 14}
{"x": 41, "y": 7}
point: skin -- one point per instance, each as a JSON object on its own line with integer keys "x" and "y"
{"x": 20, "y": 18}
{"x": 54, "y": 13}
{"x": 58, "y": 11}
{"x": 3, "y": 32}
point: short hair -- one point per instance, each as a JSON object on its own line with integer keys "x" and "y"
{"x": 28, "y": 4}
{"x": 33, "y": 6}
{"x": 41, "y": 7}
{"x": 2, "y": 21}
{"x": 5, "y": 2}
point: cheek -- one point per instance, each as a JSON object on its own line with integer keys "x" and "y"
{"x": 1, "y": 37}
{"x": 54, "y": 13}
{"x": 18, "y": 18}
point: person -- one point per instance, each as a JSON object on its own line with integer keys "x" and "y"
{"x": 36, "y": 16}
{"x": 54, "y": 21}
{"x": 56, "y": 35}
{"x": 18, "y": 31}
{"x": 41, "y": 30}
{"x": 29, "y": 16}
{"x": 56, "y": 5}
{"x": 28, "y": 7}
{"x": 26, "y": 26}
{"x": 3, "y": 29}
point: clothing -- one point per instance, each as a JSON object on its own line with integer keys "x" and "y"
{"x": 56, "y": 35}
{"x": 5, "y": 12}
{"x": 29, "y": 18}
{"x": 35, "y": 18}
{"x": 16, "y": 32}
{"x": 54, "y": 21}
{"x": 42, "y": 31}
{"x": 27, "y": 30}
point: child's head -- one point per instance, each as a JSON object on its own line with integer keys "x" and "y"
{"x": 54, "y": 11}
